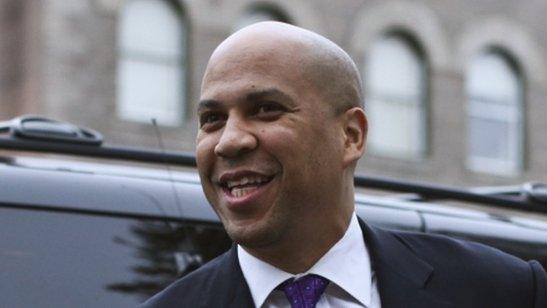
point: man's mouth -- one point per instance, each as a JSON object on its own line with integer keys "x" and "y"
{"x": 244, "y": 185}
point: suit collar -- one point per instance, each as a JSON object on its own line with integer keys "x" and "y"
{"x": 228, "y": 288}
{"x": 403, "y": 278}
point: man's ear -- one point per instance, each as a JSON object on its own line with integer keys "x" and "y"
{"x": 355, "y": 135}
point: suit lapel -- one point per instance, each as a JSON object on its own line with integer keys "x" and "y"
{"x": 228, "y": 287}
{"x": 402, "y": 276}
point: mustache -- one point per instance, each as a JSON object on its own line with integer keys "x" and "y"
{"x": 239, "y": 162}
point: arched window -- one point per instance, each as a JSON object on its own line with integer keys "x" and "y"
{"x": 151, "y": 62}
{"x": 259, "y": 14}
{"x": 395, "y": 88}
{"x": 495, "y": 115}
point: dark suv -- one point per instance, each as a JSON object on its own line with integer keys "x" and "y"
{"x": 112, "y": 229}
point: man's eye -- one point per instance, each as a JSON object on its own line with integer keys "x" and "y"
{"x": 269, "y": 107}
{"x": 210, "y": 118}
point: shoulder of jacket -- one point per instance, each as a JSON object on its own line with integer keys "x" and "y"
{"x": 186, "y": 291}
{"x": 426, "y": 244}
{"x": 466, "y": 257}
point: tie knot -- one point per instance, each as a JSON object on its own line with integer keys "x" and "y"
{"x": 304, "y": 292}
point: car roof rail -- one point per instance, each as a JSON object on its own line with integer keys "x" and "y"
{"x": 39, "y": 134}
{"x": 531, "y": 196}
{"x": 40, "y": 128}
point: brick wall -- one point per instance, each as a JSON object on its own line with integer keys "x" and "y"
{"x": 70, "y": 56}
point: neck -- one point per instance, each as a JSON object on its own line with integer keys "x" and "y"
{"x": 299, "y": 252}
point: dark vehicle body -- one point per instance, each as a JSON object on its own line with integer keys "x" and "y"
{"x": 81, "y": 233}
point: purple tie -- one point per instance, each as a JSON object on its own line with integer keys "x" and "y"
{"x": 304, "y": 292}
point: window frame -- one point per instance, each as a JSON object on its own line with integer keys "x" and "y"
{"x": 176, "y": 63}
{"x": 421, "y": 103}
{"x": 510, "y": 114}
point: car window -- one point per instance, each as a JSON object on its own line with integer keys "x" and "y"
{"x": 56, "y": 259}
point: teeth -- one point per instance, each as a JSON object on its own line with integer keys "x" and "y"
{"x": 240, "y": 192}
{"x": 246, "y": 180}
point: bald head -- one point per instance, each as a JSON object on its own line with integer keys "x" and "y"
{"x": 281, "y": 104}
{"x": 321, "y": 63}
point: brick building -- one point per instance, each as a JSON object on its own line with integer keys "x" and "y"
{"x": 455, "y": 90}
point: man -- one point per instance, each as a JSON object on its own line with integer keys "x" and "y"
{"x": 281, "y": 130}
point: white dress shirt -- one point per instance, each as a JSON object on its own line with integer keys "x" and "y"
{"x": 346, "y": 265}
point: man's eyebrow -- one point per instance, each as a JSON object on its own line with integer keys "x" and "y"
{"x": 269, "y": 93}
{"x": 208, "y": 104}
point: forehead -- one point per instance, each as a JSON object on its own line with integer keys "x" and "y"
{"x": 251, "y": 75}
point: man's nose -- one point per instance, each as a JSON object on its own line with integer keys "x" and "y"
{"x": 236, "y": 139}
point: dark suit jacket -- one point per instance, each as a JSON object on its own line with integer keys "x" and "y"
{"x": 413, "y": 270}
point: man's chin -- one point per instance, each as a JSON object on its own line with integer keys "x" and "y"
{"x": 253, "y": 236}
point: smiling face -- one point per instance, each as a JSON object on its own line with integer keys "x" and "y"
{"x": 263, "y": 149}
{"x": 270, "y": 150}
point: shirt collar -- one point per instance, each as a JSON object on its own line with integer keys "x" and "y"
{"x": 261, "y": 277}
{"x": 347, "y": 264}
